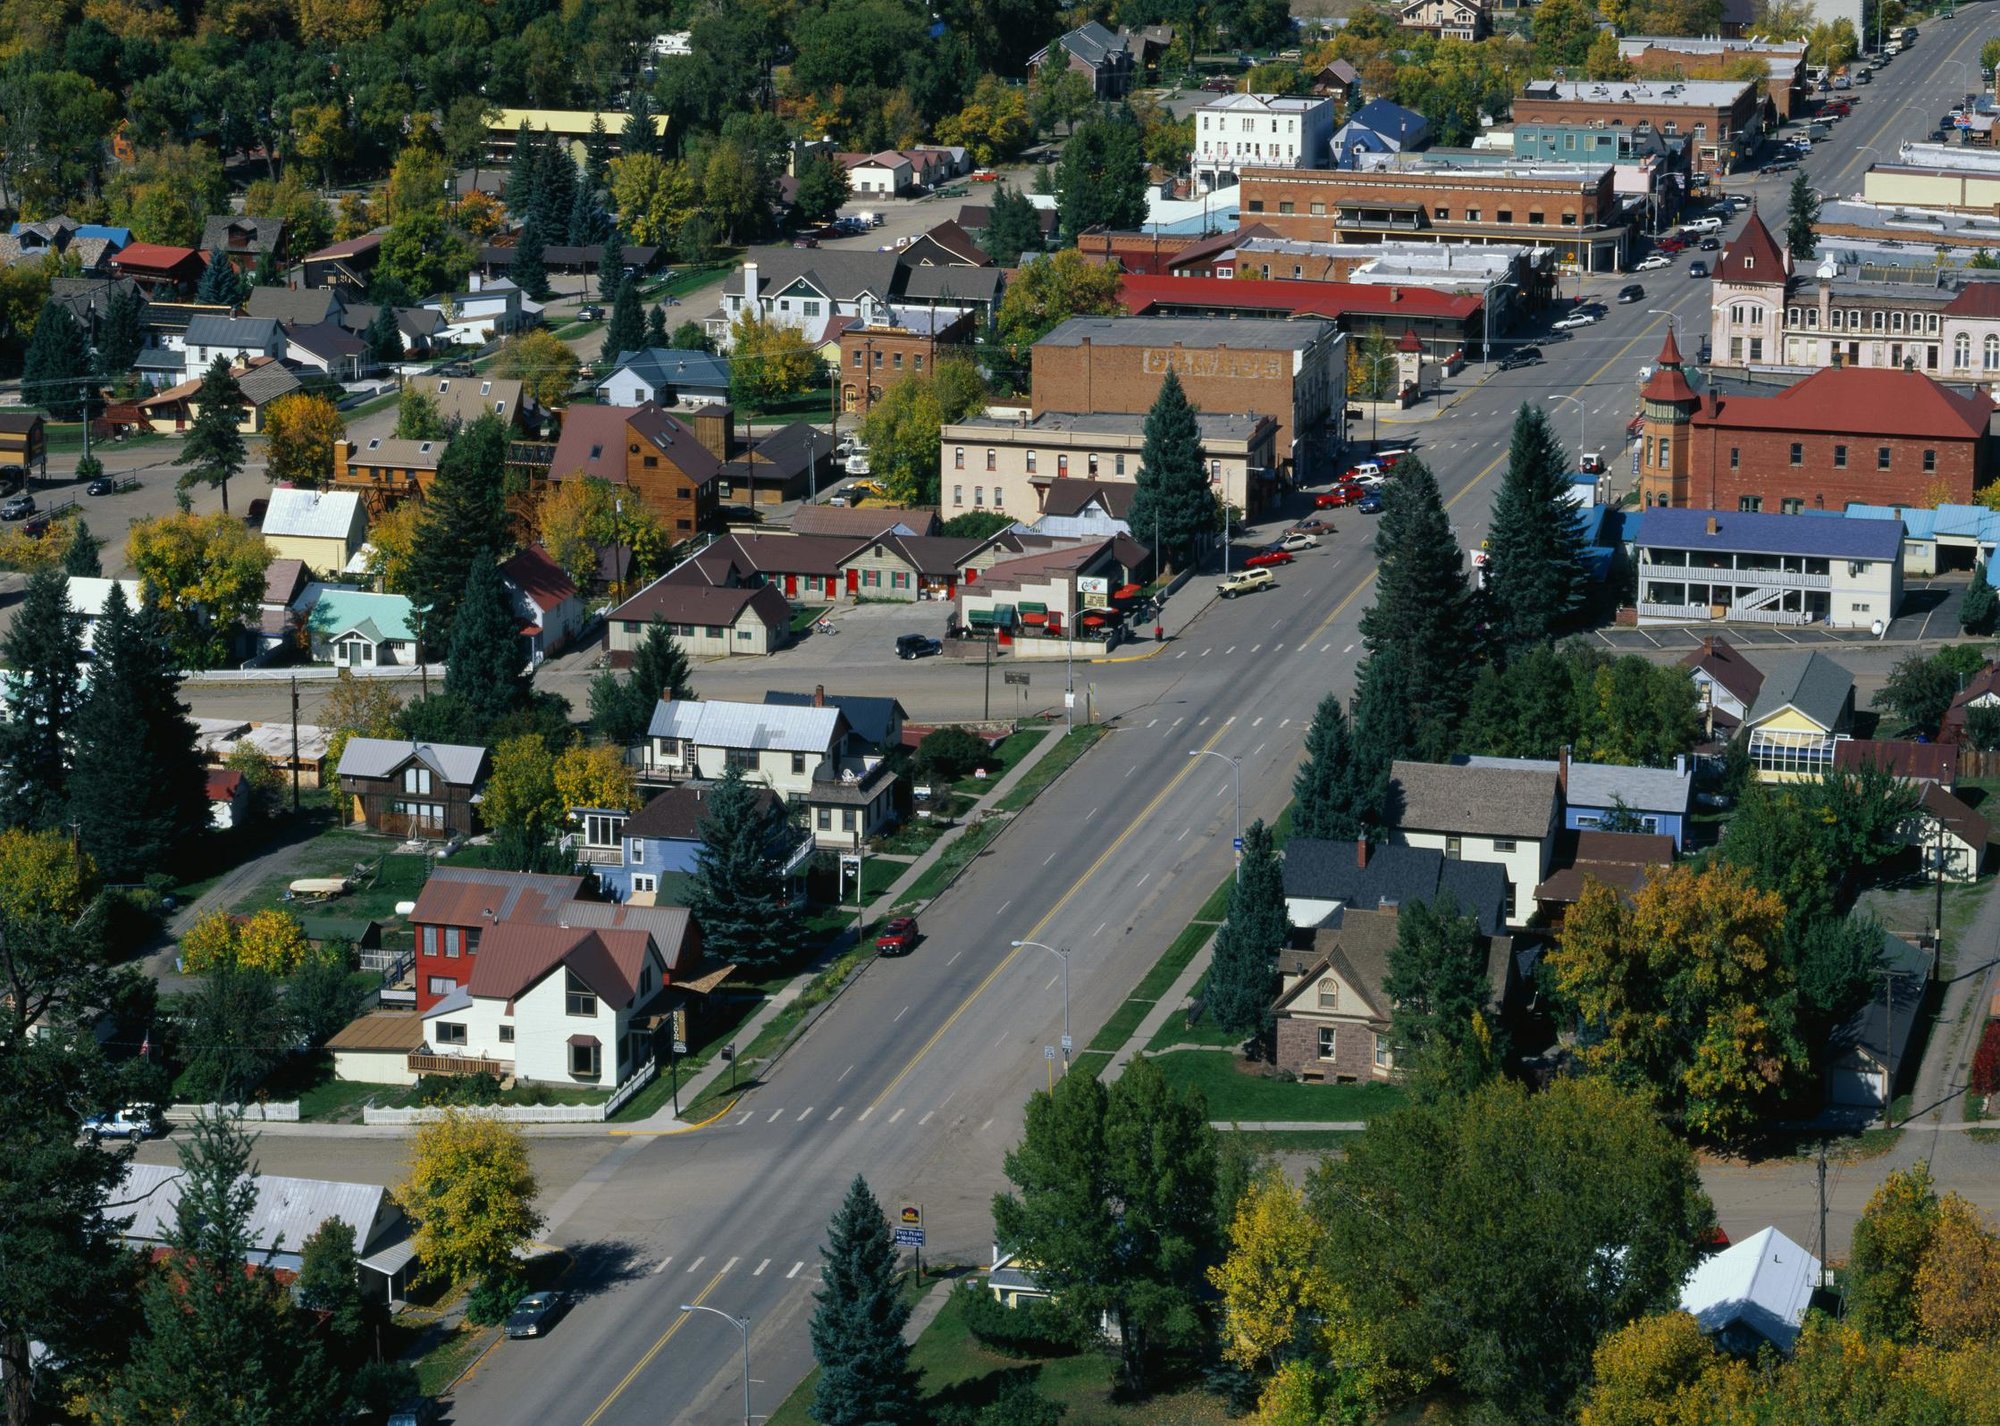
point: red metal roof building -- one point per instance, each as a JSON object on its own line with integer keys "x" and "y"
{"x": 1443, "y": 322}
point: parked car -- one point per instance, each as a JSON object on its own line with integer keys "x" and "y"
{"x": 417, "y": 1411}
{"x": 1782, "y": 165}
{"x": 1709, "y": 245}
{"x": 1631, "y": 292}
{"x": 1389, "y": 455}
{"x": 1299, "y": 540}
{"x": 1708, "y": 224}
{"x": 1591, "y": 463}
{"x": 1371, "y": 506}
{"x": 1574, "y": 321}
{"x": 18, "y": 508}
{"x": 985, "y": 175}
{"x": 1526, "y": 356}
{"x": 898, "y": 937}
{"x": 590, "y": 312}
{"x": 1363, "y": 470}
{"x": 534, "y": 1314}
{"x": 1697, "y": 268}
{"x": 1312, "y": 525}
{"x": 1246, "y": 581}
{"x": 1345, "y": 494}
{"x": 103, "y": 485}
{"x": 1219, "y": 86}
{"x": 134, "y": 1121}
{"x": 1268, "y": 559}
{"x": 917, "y": 646}
{"x": 1671, "y": 244}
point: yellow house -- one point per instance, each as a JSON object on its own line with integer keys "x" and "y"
{"x": 1805, "y": 707}
{"x": 322, "y": 529}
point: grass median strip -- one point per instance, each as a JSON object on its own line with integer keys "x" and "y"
{"x": 1074, "y": 745}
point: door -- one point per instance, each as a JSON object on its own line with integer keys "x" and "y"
{"x": 791, "y": 586}
{"x": 832, "y": 587}
{"x": 854, "y": 581}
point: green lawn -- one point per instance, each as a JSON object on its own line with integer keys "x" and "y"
{"x": 1008, "y": 751}
{"x": 806, "y": 615}
{"x": 805, "y": 406}
{"x": 952, "y": 860}
{"x": 771, "y": 1039}
{"x": 440, "y": 1367}
{"x": 385, "y": 878}
{"x": 1074, "y": 745}
{"x": 1297, "y": 1141}
{"x": 1247, "y": 1097}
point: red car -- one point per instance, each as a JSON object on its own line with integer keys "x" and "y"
{"x": 1349, "y": 494}
{"x": 897, "y": 937}
{"x": 1265, "y": 559}
{"x": 1671, "y": 245}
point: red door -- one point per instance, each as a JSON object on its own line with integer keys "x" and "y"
{"x": 854, "y": 581}
{"x": 791, "y": 586}
{"x": 832, "y": 587}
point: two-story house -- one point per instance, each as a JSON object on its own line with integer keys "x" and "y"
{"x": 1611, "y": 796}
{"x": 1506, "y": 816}
{"x": 1804, "y": 708}
{"x": 648, "y": 450}
{"x": 384, "y": 470}
{"x": 1267, "y": 130}
{"x": 243, "y": 239}
{"x": 1725, "y": 684}
{"x": 407, "y": 788}
{"x": 235, "y": 339}
{"x": 636, "y": 856}
{"x": 456, "y": 908}
{"x": 488, "y": 310}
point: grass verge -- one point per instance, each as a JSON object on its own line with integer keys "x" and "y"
{"x": 1295, "y": 1141}
{"x": 442, "y": 1365}
{"x": 1239, "y": 1095}
{"x": 768, "y": 1041}
{"x": 1074, "y": 745}
{"x": 806, "y": 615}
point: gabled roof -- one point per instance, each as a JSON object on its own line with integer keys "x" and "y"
{"x": 283, "y": 579}
{"x": 390, "y": 451}
{"x": 1072, "y": 497}
{"x": 1643, "y": 789}
{"x": 1753, "y": 256}
{"x": 673, "y": 367}
{"x": 956, "y": 240}
{"x": 674, "y": 602}
{"x": 1753, "y": 1291}
{"x": 1975, "y": 299}
{"x": 312, "y": 514}
{"x": 266, "y": 379}
{"x": 1869, "y": 1029}
{"x": 1983, "y": 685}
{"x": 516, "y": 955}
{"x": 946, "y": 282}
{"x": 1474, "y": 801}
{"x": 539, "y": 577}
{"x": 287, "y": 1210}
{"x": 863, "y": 522}
{"x": 676, "y": 813}
{"x": 255, "y": 234}
{"x": 594, "y": 441}
{"x": 1391, "y": 121}
{"x": 457, "y": 763}
{"x": 155, "y": 257}
{"x": 260, "y": 333}
{"x": 302, "y": 305}
{"x": 761, "y": 726}
{"x": 348, "y": 247}
{"x": 1862, "y": 401}
{"x": 874, "y": 720}
{"x": 468, "y": 896}
{"x": 1916, "y": 762}
{"x": 774, "y": 554}
{"x": 1722, "y": 662}
{"x": 1621, "y": 860}
{"x": 1809, "y": 682}
{"x": 325, "y": 339}
{"x": 839, "y": 274}
{"x": 1964, "y": 823}
{"x": 1094, "y": 44}
{"x": 783, "y": 454}
{"x": 1320, "y": 870}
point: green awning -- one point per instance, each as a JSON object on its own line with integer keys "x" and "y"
{"x": 979, "y": 617}
{"x": 1029, "y": 606}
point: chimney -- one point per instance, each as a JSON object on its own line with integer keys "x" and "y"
{"x": 1713, "y": 528}
{"x": 1680, "y": 764}
{"x": 1562, "y": 769}
{"x": 819, "y": 695}
{"x": 750, "y": 283}
{"x": 1361, "y": 852}
{"x": 1708, "y": 647}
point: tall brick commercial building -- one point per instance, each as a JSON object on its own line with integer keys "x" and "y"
{"x": 1293, "y": 371}
{"x": 1722, "y": 119}
{"x": 1844, "y": 435}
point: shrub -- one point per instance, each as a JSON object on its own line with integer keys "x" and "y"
{"x": 950, "y": 753}
{"x": 494, "y": 1298}
{"x": 1034, "y": 1329}
{"x": 1986, "y": 1061}
{"x": 438, "y": 1091}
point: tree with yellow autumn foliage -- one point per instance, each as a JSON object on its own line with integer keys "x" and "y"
{"x": 1663, "y": 1370}
{"x": 1272, "y": 1277}
{"x": 300, "y": 431}
{"x": 42, "y": 875}
{"x": 271, "y": 941}
{"x": 470, "y": 1190}
{"x": 578, "y": 517}
{"x": 1957, "y": 1286}
{"x": 595, "y": 777}
{"x": 542, "y": 362}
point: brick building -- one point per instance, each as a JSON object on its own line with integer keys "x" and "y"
{"x": 1294, "y": 371}
{"x": 1842, "y": 436}
{"x": 1572, "y": 208}
{"x": 644, "y": 448}
{"x": 1670, "y": 57}
{"x": 1723, "y": 119}
{"x": 904, "y": 343}
{"x": 1443, "y": 322}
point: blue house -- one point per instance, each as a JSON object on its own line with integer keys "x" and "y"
{"x": 1379, "y": 127}
{"x": 1656, "y": 800}
{"x": 639, "y": 854}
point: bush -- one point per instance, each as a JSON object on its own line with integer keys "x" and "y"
{"x": 950, "y": 753}
{"x": 1986, "y": 1061}
{"x": 1034, "y": 1329}
{"x": 494, "y": 1298}
{"x": 437, "y": 1091}
{"x": 380, "y": 1387}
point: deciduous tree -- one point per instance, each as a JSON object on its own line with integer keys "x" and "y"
{"x": 1101, "y": 179}
{"x": 1890, "y": 1240}
{"x": 594, "y": 777}
{"x": 470, "y": 1190}
{"x": 865, "y": 1377}
{"x": 1958, "y": 1282}
{"x": 654, "y": 198}
{"x": 1047, "y": 293}
{"x": 203, "y": 574}
{"x": 1012, "y": 227}
{"x": 542, "y": 362}
{"x": 1663, "y": 1370}
{"x": 1273, "y": 1282}
{"x": 768, "y": 361}
{"x": 417, "y": 417}
{"x": 300, "y": 432}
{"x": 823, "y": 188}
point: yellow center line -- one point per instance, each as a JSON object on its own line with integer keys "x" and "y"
{"x": 679, "y": 1322}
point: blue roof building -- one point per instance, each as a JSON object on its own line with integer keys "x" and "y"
{"x": 1379, "y": 127}
{"x": 1725, "y": 566}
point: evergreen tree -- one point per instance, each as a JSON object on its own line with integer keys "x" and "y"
{"x": 1243, "y": 976}
{"x": 738, "y": 894}
{"x": 555, "y": 186}
{"x": 56, "y": 365}
{"x": 1436, "y": 979}
{"x": 1328, "y": 786}
{"x": 383, "y": 337}
{"x": 212, "y": 454}
{"x": 1422, "y": 605}
{"x": 857, "y": 1329}
{"x": 329, "y": 1282}
{"x": 1981, "y": 607}
{"x": 656, "y": 326}
{"x": 611, "y": 264}
{"x": 626, "y": 331}
{"x": 596, "y": 158}
{"x": 219, "y": 283}
{"x": 266, "y": 273}
{"x": 464, "y": 521}
{"x": 43, "y": 647}
{"x": 483, "y": 670}
{"x": 1802, "y": 221}
{"x": 823, "y": 187}
{"x": 527, "y": 271}
{"x": 82, "y": 559}
{"x": 1102, "y": 176}
{"x": 1013, "y": 227}
{"x": 522, "y": 171}
{"x": 122, "y": 335}
{"x": 222, "y": 1345}
{"x": 138, "y": 788}
{"x": 1172, "y": 502}
{"x": 581, "y": 227}
{"x": 638, "y": 135}
{"x": 1535, "y": 575}
{"x": 1384, "y": 729}
{"x": 621, "y": 710}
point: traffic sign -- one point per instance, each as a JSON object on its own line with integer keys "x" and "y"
{"x": 680, "y": 1047}
{"x": 1048, "y": 1052}
{"x": 912, "y": 1215}
{"x": 909, "y": 1237}
{"x": 1066, "y": 1044}
{"x": 1239, "y": 844}
{"x": 1012, "y": 676}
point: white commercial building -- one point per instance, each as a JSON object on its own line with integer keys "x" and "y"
{"x": 1264, "y": 130}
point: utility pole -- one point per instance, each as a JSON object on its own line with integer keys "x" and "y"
{"x": 295, "y": 745}
{"x": 1822, "y": 1213}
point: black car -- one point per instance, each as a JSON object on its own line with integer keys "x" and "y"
{"x": 590, "y": 313}
{"x": 534, "y": 1314}
{"x": 1783, "y": 165}
{"x": 1709, "y": 245}
{"x": 103, "y": 485}
{"x": 916, "y": 646}
{"x": 1526, "y": 356}
{"x": 1632, "y": 292}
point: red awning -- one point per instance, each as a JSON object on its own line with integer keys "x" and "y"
{"x": 1129, "y": 591}
{"x": 1032, "y": 618}
{"x": 578, "y": 1042}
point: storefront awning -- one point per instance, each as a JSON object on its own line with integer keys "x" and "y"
{"x": 1128, "y": 591}
{"x": 1029, "y": 606}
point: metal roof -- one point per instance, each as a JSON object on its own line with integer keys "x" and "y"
{"x": 312, "y": 514}
{"x": 1643, "y": 789}
{"x": 748, "y": 725}
{"x": 288, "y": 1210}
{"x": 380, "y": 757}
{"x": 334, "y": 611}
{"x": 1195, "y": 332}
{"x": 1740, "y": 532}
{"x": 1763, "y": 1284}
{"x": 260, "y": 333}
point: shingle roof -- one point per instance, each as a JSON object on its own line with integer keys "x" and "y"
{"x": 842, "y": 274}
{"x": 283, "y": 578}
{"x": 672, "y": 602}
{"x": 389, "y": 451}
{"x": 457, "y": 763}
{"x": 1965, "y": 824}
{"x": 1643, "y": 789}
{"x": 261, "y": 233}
{"x": 874, "y": 720}
{"x": 1740, "y": 532}
{"x": 266, "y": 380}
{"x": 467, "y": 896}
{"x": 945, "y": 282}
{"x": 1810, "y": 682}
{"x": 1474, "y": 801}
{"x": 1721, "y": 661}
{"x": 311, "y": 514}
{"x": 303, "y": 305}
{"x": 1869, "y": 1029}
{"x": 594, "y": 439}
{"x": 862, "y": 522}
{"x": 467, "y": 398}
{"x": 786, "y": 554}
{"x": 1320, "y": 870}
{"x": 515, "y": 955}
{"x": 784, "y": 454}
{"x": 540, "y": 578}
{"x": 1753, "y": 255}
{"x": 748, "y": 725}
{"x": 260, "y": 333}
{"x": 1069, "y": 497}
{"x": 676, "y": 813}
{"x": 672, "y": 928}
{"x": 325, "y": 339}
{"x": 1092, "y": 43}
{"x": 1392, "y": 121}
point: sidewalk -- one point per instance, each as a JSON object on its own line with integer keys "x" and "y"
{"x": 1166, "y": 1006}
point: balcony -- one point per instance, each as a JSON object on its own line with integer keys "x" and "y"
{"x": 1677, "y": 613}
{"x": 458, "y": 1064}
{"x": 1789, "y": 617}
{"x": 1699, "y": 574}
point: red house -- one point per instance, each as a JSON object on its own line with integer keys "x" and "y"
{"x": 159, "y": 270}
{"x": 455, "y": 908}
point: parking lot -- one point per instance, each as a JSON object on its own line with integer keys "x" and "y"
{"x": 1930, "y": 611}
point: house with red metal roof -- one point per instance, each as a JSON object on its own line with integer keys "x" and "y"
{"x": 545, "y": 599}
{"x": 1444, "y": 322}
{"x": 160, "y": 271}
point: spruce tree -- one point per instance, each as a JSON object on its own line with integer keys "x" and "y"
{"x": 82, "y": 558}
{"x": 637, "y": 135}
{"x": 555, "y": 186}
{"x": 596, "y": 156}
{"x": 1535, "y": 576}
{"x": 43, "y": 648}
{"x": 464, "y": 521}
{"x": 1385, "y": 729}
{"x": 266, "y": 273}
{"x": 857, "y": 1328}
{"x": 1172, "y": 503}
{"x": 528, "y": 271}
{"x": 522, "y": 171}
{"x": 383, "y": 337}
{"x": 122, "y": 335}
{"x": 621, "y": 711}
{"x": 581, "y": 226}
{"x": 1243, "y": 976}
{"x": 483, "y": 668}
{"x": 1422, "y": 606}
{"x": 738, "y": 894}
{"x": 56, "y": 364}
{"x": 626, "y": 331}
{"x": 1014, "y": 226}
{"x": 611, "y": 264}
{"x": 1102, "y": 176}
{"x": 1328, "y": 787}
{"x": 212, "y": 454}
{"x": 656, "y": 326}
{"x": 1802, "y": 222}
{"x": 218, "y": 282}
{"x": 138, "y": 787}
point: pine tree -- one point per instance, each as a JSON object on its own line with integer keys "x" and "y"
{"x": 581, "y": 226}
{"x": 626, "y": 331}
{"x": 1436, "y": 977}
{"x": 656, "y": 326}
{"x": 738, "y": 894}
{"x": 1014, "y": 226}
{"x": 1385, "y": 729}
{"x": 82, "y": 559}
{"x": 1328, "y": 786}
{"x": 1172, "y": 502}
{"x": 212, "y": 454}
{"x": 122, "y": 336}
{"x": 555, "y": 186}
{"x": 857, "y": 1329}
{"x": 483, "y": 669}
{"x": 383, "y": 337}
{"x": 621, "y": 711}
{"x": 1243, "y": 976}
{"x": 1802, "y": 222}
{"x": 1422, "y": 605}
{"x": 56, "y": 364}
{"x": 528, "y": 271}
{"x": 464, "y": 522}
{"x": 138, "y": 788}
{"x": 1535, "y": 575}
{"x": 596, "y": 157}
{"x": 219, "y": 283}
{"x": 266, "y": 273}
{"x": 637, "y": 135}
{"x": 329, "y": 1283}
{"x": 522, "y": 171}
{"x": 43, "y": 648}
{"x": 611, "y": 264}
{"x": 1981, "y": 607}
{"x": 221, "y": 1344}
{"x": 1102, "y": 176}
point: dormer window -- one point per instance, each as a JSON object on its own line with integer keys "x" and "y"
{"x": 1748, "y": 262}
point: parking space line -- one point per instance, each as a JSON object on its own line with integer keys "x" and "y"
{"x": 758, "y": 1271}
{"x": 696, "y": 1263}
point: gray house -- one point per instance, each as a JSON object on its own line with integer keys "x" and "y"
{"x": 667, "y": 376}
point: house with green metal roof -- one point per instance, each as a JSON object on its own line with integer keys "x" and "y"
{"x": 351, "y": 628}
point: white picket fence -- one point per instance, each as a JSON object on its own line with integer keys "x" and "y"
{"x": 286, "y": 1112}
{"x": 524, "y": 1113}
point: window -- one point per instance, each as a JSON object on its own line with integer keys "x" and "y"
{"x": 1284, "y": 204}
{"x": 958, "y": 457}
{"x": 1535, "y": 217}
{"x": 638, "y": 851}
{"x": 958, "y": 495}
{"x": 1384, "y": 1057}
{"x": 1735, "y": 349}
{"x": 900, "y": 579}
{"x": 918, "y": 361}
{"x": 1317, "y": 208}
{"x": 812, "y": 308}
{"x": 1834, "y": 320}
{"x": 1454, "y": 847}
{"x": 416, "y": 779}
{"x": 857, "y": 356}
{"x": 1118, "y": 464}
{"x": 454, "y": 943}
{"x": 897, "y": 362}
{"x": 506, "y": 1034}
{"x": 1798, "y": 453}
{"x": 714, "y": 631}
{"x": 441, "y": 985}
{"x": 1756, "y": 349}
{"x": 1735, "y": 458}
{"x": 1503, "y": 844}
{"x": 1961, "y": 351}
{"x": 1504, "y": 215}
{"x": 1840, "y": 457}
{"x": 742, "y": 759}
{"x": 1329, "y": 994}
{"x": 1441, "y": 213}
{"x": 583, "y": 1060}
{"x": 1666, "y": 446}
{"x": 798, "y": 764}
{"x": 1032, "y": 458}
{"x": 1062, "y": 465}
{"x": 645, "y": 883}
{"x": 978, "y": 495}
{"x": 1472, "y": 215}
{"x": 578, "y": 998}
{"x": 999, "y": 496}
{"x": 847, "y": 819}
{"x": 1896, "y": 322}
{"x": 1930, "y": 462}
{"x": 1569, "y": 220}
{"x": 1790, "y": 504}
{"x": 1326, "y": 1042}
{"x": 450, "y": 1032}
{"x": 824, "y": 818}
{"x": 992, "y": 457}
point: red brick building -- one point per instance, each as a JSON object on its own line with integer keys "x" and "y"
{"x": 1443, "y": 322}
{"x": 911, "y": 343}
{"x": 1722, "y": 119}
{"x": 1844, "y": 435}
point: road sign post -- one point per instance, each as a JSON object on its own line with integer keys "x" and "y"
{"x": 910, "y": 1232}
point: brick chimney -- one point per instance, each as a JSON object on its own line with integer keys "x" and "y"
{"x": 1361, "y": 853}
{"x": 1562, "y": 769}
{"x": 1712, "y": 528}
{"x": 1708, "y": 647}
{"x": 819, "y": 695}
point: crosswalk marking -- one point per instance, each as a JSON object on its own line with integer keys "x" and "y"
{"x": 696, "y": 1263}
{"x": 794, "y": 1272}
{"x": 730, "y": 1264}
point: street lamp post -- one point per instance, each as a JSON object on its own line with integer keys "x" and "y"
{"x": 1063, "y": 956}
{"x": 1235, "y": 767}
{"x": 741, "y": 1324}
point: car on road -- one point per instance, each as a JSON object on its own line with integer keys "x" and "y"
{"x": 134, "y": 1121}
{"x": 1219, "y": 86}
{"x": 417, "y": 1411}
{"x": 534, "y": 1314}
{"x": 1574, "y": 321}
{"x": 1671, "y": 244}
{"x": 1652, "y": 263}
{"x": 1364, "y": 470}
{"x": 1312, "y": 525}
{"x": 1371, "y": 506}
{"x": 456, "y": 368}
{"x": 1526, "y": 356}
{"x": 985, "y": 175}
{"x": 1246, "y": 581}
{"x": 1389, "y": 455}
{"x": 1591, "y": 463}
{"x": 1268, "y": 558}
{"x": 18, "y": 508}
{"x": 590, "y": 312}
{"x": 103, "y": 485}
{"x": 917, "y": 646}
{"x": 1347, "y": 493}
{"x": 1782, "y": 165}
{"x": 1709, "y": 224}
{"x": 897, "y": 937}
{"x": 1631, "y": 292}
{"x": 1697, "y": 268}
{"x": 1299, "y": 540}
